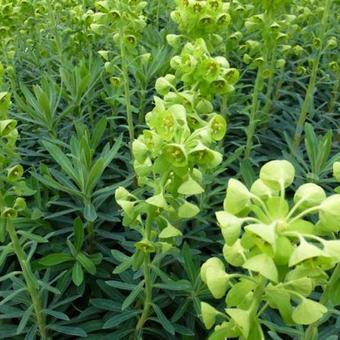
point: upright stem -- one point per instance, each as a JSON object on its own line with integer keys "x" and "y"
{"x": 91, "y": 237}
{"x": 335, "y": 93}
{"x": 270, "y": 87}
{"x": 312, "y": 81}
{"x": 257, "y": 298}
{"x": 127, "y": 94}
{"x": 254, "y": 109}
{"x": 55, "y": 32}
{"x": 158, "y": 12}
{"x": 259, "y": 82}
{"x": 311, "y": 331}
{"x": 30, "y": 279}
{"x": 147, "y": 280}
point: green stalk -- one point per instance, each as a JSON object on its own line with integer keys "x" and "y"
{"x": 259, "y": 84}
{"x": 312, "y": 330}
{"x": 30, "y": 279}
{"x": 147, "y": 280}
{"x": 335, "y": 93}
{"x": 54, "y": 28}
{"x": 257, "y": 298}
{"x": 312, "y": 81}
{"x": 158, "y": 13}
{"x": 270, "y": 87}
{"x": 91, "y": 237}
{"x": 127, "y": 94}
{"x": 280, "y": 82}
{"x": 253, "y": 112}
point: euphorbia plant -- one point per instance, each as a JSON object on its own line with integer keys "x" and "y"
{"x": 12, "y": 205}
{"x": 123, "y": 21}
{"x": 173, "y": 154}
{"x": 262, "y": 54}
{"x": 170, "y": 160}
{"x": 284, "y": 249}
{"x": 320, "y": 47}
{"x": 201, "y": 19}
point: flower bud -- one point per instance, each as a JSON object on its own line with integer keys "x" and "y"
{"x": 213, "y": 274}
{"x": 104, "y": 54}
{"x": 231, "y": 75}
{"x": 131, "y": 40}
{"x": 4, "y": 105}
{"x": 236, "y": 36}
{"x": 174, "y": 40}
{"x": 298, "y": 50}
{"x": 9, "y": 213}
{"x": 217, "y": 127}
{"x": 300, "y": 70}
{"x": 7, "y": 125}
{"x": 237, "y": 197}
{"x": 205, "y": 157}
{"x": 204, "y": 106}
{"x": 115, "y": 81}
{"x": 247, "y": 59}
{"x": 234, "y": 254}
{"x": 213, "y": 262}
{"x": 330, "y": 213}
{"x": 336, "y": 171}
{"x": 310, "y": 194}
{"x": 334, "y": 66}
{"x": 109, "y": 67}
{"x": 97, "y": 28}
{"x": 139, "y": 151}
{"x": 280, "y": 63}
{"x": 277, "y": 174}
{"x": 163, "y": 86}
{"x": 223, "y": 19}
{"x": 317, "y": 42}
{"x": 19, "y": 204}
{"x": 209, "y": 314}
{"x": 145, "y": 58}
{"x": 230, "y": 226}
{"x": 15, "y": 173}
{"x": 125, "y": 200}
{"x": 332, "y": 43}
{"x": 261, "y": 190}
{"x": 205, "y": 20}
{"x": 175, "y": 154}
{"x": 145, "y": 246}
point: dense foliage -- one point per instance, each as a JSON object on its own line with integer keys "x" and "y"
{"x": 169, "y": 169}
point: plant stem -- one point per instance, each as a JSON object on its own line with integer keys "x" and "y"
{"x": 311, "y": 331}
{"x": 254, "y": 109}
{"x": 147, "y": 280}
{"x": 312, "y": 81}
{"x": 257, "y": 298}
{"x": 30, "y": 279}
{"x": 127, "y": 94}
{"x": 270, "y": 87}
{"x": 266, "y": 34}
{"x": 158, "y": 13}
{"x": 54, "y": 27}
{"x": 335, "y": 93}
{"x": 91, "y": 237}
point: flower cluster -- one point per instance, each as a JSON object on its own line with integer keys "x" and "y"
{"x": 196, "y": 68}
{"x": 168, "y": 158}
{"x": 201, "y": 19}
{"x": 171, "y": 156}
{"x": 11, "y": 186}
{"x": 287, "y": 251}
{"x": 15, "y": 18}
{"x": 124, "y": 19}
